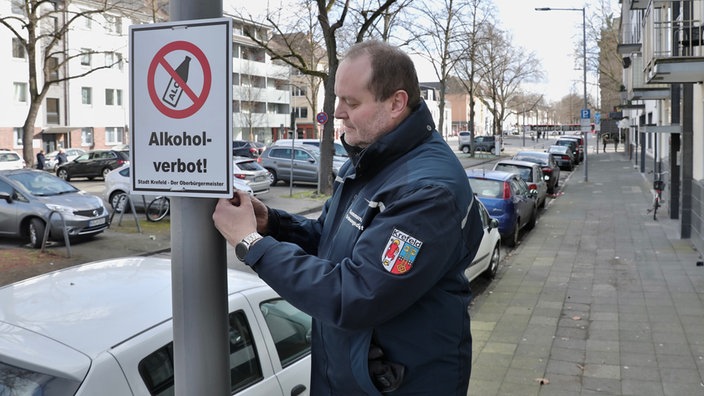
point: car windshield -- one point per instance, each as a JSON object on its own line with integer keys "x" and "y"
{"x": 42, "y": 184}
{"x": 248, "y": 166}
{"x": 530, "y": 158}
{"x": 520, "y": 170}
{"x": 557, "y": 149}
{"x": 487, "y": 188}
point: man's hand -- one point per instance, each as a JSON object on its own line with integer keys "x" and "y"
{"x": 235, "y": 217}
{"x": 262, "y": 214}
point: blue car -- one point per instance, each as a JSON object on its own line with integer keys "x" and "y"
{"x": 508, "y": 199}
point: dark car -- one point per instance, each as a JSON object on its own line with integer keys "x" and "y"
{"x": 573, "y": 145}
{"x": 32, "y": 200}
{"x": 247, "y": 148}
{"x": 563, "y": 156}
{"x": 96, "y": 163}
{"x": 547, "y": 163}
{"x": 580, "y": 146}
{"x": 508, "y": 199}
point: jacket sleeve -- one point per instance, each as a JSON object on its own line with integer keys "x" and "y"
{"x": 359, "y": 291}
{"x": 296, "y": 229}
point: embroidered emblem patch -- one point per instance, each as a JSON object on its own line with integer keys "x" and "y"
{"x": 400, "y": 252}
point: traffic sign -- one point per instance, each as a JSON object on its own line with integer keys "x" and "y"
{"x": 181, "y": 108}
{"x": 585, "y": 114}
{"x": 322, "y": 117}
{"x": 597, "y": 117}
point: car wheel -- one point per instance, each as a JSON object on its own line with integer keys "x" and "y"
{"x": 465, "y": 149}
{"x": 533, "y": 219}
{"x": 272, "y": 177}
{"x": 35, "y": 233}
{"x": 512, "y": 240}
{"x": 115, "y": 198}
{"x": 105, "y": 172}
{"x": 63, "y": 174}
{"x": 493, "y": 268}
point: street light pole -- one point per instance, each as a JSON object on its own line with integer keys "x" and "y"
{"x": 584, "y": 58}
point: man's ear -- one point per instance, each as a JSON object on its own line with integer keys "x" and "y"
{"x": 399, "y": 103}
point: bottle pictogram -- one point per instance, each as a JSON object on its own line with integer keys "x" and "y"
{"x": 173, "y": 90}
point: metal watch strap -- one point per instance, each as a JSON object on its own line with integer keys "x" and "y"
{"x": 251, "y": 238}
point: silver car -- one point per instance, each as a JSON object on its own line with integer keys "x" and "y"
{"x": 249, "y": 171}
{"x": 299, "y": 163}
{"x": 29, "y": 199}
{"x": 51, "y": 161}
{"x": 531, "y": 173}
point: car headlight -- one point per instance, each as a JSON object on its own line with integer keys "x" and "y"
{"x": 65, "y": 210}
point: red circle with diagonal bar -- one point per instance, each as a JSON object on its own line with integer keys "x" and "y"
{"x": 197, "y": 99}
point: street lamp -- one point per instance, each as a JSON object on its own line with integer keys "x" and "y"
{"x": 584, "y": 56}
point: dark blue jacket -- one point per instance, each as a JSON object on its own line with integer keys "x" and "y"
{"x": 385, "y": 259}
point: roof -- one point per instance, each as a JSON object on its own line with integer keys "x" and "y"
{"x": 91, "y": 307}
{"x": 489, "y": 174}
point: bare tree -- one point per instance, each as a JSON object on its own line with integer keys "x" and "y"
{"x": 41, "y": 28}
{"x": 504, "y": 69}
{"x": 331, "y": 16}
{"x": 439, "y": 39}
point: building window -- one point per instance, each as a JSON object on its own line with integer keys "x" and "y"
{"x": 86, "y": 95}
{"x": 20, "y": 92}
{"x": 113, "y": 135}
{"x": 85, "y": 57}
{"x": 113, "y": 24}
{"x": 113, "y": 97}
{"x": 86, "y": 136}
{"x": 53, "y": 66}
{"x": 52, "y": 111}
{"x": 17, "y": 136}
{"x": 298, "y": 91}
{"x": 18, "y": 50}
{"x": 301, "y": 112}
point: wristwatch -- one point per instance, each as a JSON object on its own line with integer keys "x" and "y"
{"x": 242, "y": 248}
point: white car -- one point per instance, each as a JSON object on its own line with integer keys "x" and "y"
{"x": 254, "y": 175}
{"x": 117, "y": 183}
{"x": 11, "y": 160}
{"x": 50, "y": 161}
{"x": 105, "y": 328}
{"x": 488, "y": 256}
{"x": 531, "y": 173}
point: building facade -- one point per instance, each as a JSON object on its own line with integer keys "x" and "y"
{"x": 662, "y": 46}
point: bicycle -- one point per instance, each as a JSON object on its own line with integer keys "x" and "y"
{"x": 158, "y": 208}
{"x": 659, "y": 187}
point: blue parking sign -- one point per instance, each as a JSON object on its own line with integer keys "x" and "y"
{"x": 585, "y": 114}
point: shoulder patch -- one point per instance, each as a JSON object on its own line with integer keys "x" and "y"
{"x": 400, "y": 252}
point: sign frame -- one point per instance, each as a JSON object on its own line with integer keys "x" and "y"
{"x": 181, "y": 108}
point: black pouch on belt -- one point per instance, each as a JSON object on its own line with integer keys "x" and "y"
{"x": 387, "y": 376}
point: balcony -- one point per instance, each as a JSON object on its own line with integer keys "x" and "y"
{"x": 673, "y": 49}
{"x": 636, "y": 86}
{"x": 638, "y": 4}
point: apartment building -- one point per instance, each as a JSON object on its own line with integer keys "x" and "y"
{"x": 663, "y": 60}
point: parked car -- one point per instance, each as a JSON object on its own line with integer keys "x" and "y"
{"x": 572, "y": 144}
{"x": 29, "y": 196}
{"x": 485, "y": 143}
{"x": 246, "y": 148}
{"x": 96, "y": 163}
{"x": 339, "y": 148}
{"x": 305, "y": 163}
{"x": 10, "y": 159}
{"x": 50, "y": 160}
{"x": 547, "y": 163}
{"x": 580, "y": 146}
{"x": 508, "y": 199}
{"x": 486, "y": 262}
{"x": 531, "y": 173}
{"x": 117, "y": 183}
{"x": 563, "y": 155}
{"x": 465, "y": 143}
{"x": 106, "y": 328}
{"x": 254, "y": 175}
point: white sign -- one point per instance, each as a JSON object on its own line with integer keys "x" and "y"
{"x": 181, "y": 106}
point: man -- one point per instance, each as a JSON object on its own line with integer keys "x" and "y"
{"x": 381, "y": 271}
{"x": 61, "y": 158}
{"x": 41, "y": 158}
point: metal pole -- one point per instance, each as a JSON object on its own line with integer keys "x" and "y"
{"x": 198, "y": 274}
{"x": 586, "y": 105}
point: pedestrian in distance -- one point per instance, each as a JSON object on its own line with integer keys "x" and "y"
{"x": 615, "y": 143}
{"x": 61, "y": 158}
{"x": 381, "y": 270}
{"x": 41, "y": 159}
{"x": 605, "y": 140}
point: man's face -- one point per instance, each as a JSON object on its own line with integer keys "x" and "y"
{"x": 364, "y": 118}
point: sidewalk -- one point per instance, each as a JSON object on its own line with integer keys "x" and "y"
{"x": 597, "y": 299}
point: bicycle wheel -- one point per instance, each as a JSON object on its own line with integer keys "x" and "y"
{"x": 158, "y": 208}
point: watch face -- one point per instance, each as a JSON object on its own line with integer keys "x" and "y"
{"x": 241, "y": 250}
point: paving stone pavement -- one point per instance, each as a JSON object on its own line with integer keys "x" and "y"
{"x": 598, "y": 298}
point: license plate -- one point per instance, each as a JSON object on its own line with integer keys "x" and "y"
{"x": 96, "y": 222}
{"x": 259, "y": 178}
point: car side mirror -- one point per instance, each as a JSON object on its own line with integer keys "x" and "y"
{"x": 7, "y": 197}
